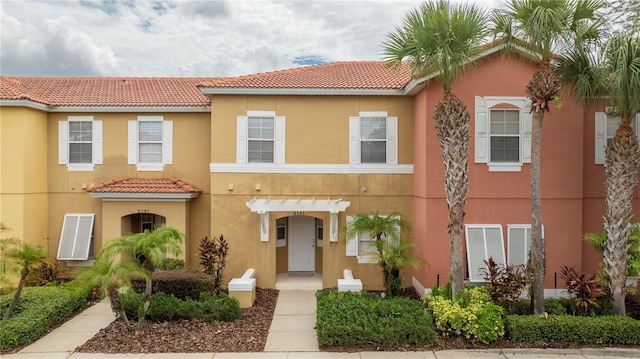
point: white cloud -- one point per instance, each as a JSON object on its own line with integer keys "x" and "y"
{"x": 188, "y": 38}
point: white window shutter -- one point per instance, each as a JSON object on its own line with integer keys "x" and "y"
{"x": 352, "y": 242}
{"x": 133, "y": 143}
{"x": 75, "y": 238}
{"x": 475, "y": 252}
{"x": 167, "y": 142}
{"x": 527, "y": 130}
{"x": 354, "y": 140}
{"x": 97, "y": 142}
{"x": 280, "y": 142}
{"x": 518, "y": 245}
{"x": 481, "y": 131}
{"x": 600, "y": 137}
{"x": 241, "y": 140}
{"x": 495, "y": 244}
{"x": 392, "y": 140}
{"x": 63, "y": 142}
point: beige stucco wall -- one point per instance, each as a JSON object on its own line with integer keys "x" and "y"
{"x": 23, "y": 174}
{"x": 230, "y": 216}
{"x": 66, "y": 189}
{"x": 317, "y": 127}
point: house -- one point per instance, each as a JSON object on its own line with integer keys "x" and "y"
{"x": 277, "y": 162}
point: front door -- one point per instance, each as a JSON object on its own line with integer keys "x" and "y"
{"x": 302, "y": 244}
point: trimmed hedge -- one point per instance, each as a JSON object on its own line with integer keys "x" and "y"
{"x": 361, "y": 320}
{"x": 39, "y": 309}
{"x": 179, "y": 283}
{"x": 164, "y": 306}
{"x": 565, "y": 328}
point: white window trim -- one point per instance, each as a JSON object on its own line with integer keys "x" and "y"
{"x": 242, "y": 138}
{"x": 77, "y": 239}
{"x": 484, "y": 227}
{"x": 96, "y": 144}
{"x": 483, "y": 107}
{"x": 601, "y": 135}
{"x": 354, "y": 138}
{"x": 319, "y": 242}
{"x": 167, "y": 144}
{"x": 281, "y": 242}
{"x": 527, "y": 245}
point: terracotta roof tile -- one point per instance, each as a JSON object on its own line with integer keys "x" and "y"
{"x": 144, "y": 185}
{"x": 105, "y": 91}
{"x": 338, "y": 75}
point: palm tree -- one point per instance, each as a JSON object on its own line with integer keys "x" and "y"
{"x": 613, "y": 78}
{"x": 110, "y": 275}
{"x": 443, "y": 39}
{"x": 27, "y": 257}
{"x": 546, "y": 27}
{"x": 150, "y": 248}
{"x": 386, "y": 231}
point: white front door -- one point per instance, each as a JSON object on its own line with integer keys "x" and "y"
{"x": 302, "y": 244}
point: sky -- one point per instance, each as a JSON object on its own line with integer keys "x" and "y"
{"x": 186, "y": 38}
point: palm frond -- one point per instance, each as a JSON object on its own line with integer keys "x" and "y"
{"x": 438, "y": 38}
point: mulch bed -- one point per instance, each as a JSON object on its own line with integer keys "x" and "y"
{"x": 246, "y": 334}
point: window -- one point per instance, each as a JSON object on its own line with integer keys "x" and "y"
{"x": 319, "y": 233}
{"x": 362, "y": 246}
{"x": 503, "y": 132}
{"x": 505, "y": 136}
{"x": 373, "y": 139}
{"x": 605, "y": 129}
{"x": 519, "y": 243}
{"x": 260, "y": 138}
{"x": 76, "y": 238}
{"x": 80, "y": 143}
{"x": 150, "y": 143}
{"x": 281, "y": 232}
{"x": 484, "y": 241}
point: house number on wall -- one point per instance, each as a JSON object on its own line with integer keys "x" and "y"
{"x": 143, "y": 211}
{"x": 298, "y": 213}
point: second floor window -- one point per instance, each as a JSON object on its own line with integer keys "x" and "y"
{"x": 261, "y": 139}
{"x": 505, "y": 136}
{"x": 80, "y": 141}
{"x": 150, "y": 143}
{"x": 373, "y": 139}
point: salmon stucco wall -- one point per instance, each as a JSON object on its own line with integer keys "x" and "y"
{"x": 501, "y": 197}
{"x": 23, "y": 175}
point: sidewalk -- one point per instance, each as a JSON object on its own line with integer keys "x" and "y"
{"x": 292, "y": 335}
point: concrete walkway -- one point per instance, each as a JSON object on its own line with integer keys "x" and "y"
{"x": 294, "y": 323}
{"x": 292, "y": 335}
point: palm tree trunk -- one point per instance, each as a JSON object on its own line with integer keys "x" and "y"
{"x": 148, "y": 267}
{"x": 116, "y": 305}
{"x": 452, "y": 127}
{"x": 16, "y": 296}
{"x": 621, "y": 170}
{"x": 537, "y": 247}
{"x": 543, "y": 88}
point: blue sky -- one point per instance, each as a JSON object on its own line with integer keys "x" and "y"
{"x": 190, "y": 38}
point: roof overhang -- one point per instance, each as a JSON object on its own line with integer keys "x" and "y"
{"x": 124, "y": 196}
{"x": 301, "y": 91}
{"x": 159, "y": 109}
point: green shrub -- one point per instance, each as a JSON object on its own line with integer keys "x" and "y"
{"x": 171, "y": 264}
{"x": 165, "y": 307}
{"x": 472, "y": 315}
{"x": 565, "y": 328}
{"x": 180, "y": 284}
{"x": 361, "y": 320}
{"x": 553, "y": 306}
{"x": 39, "y": 309}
